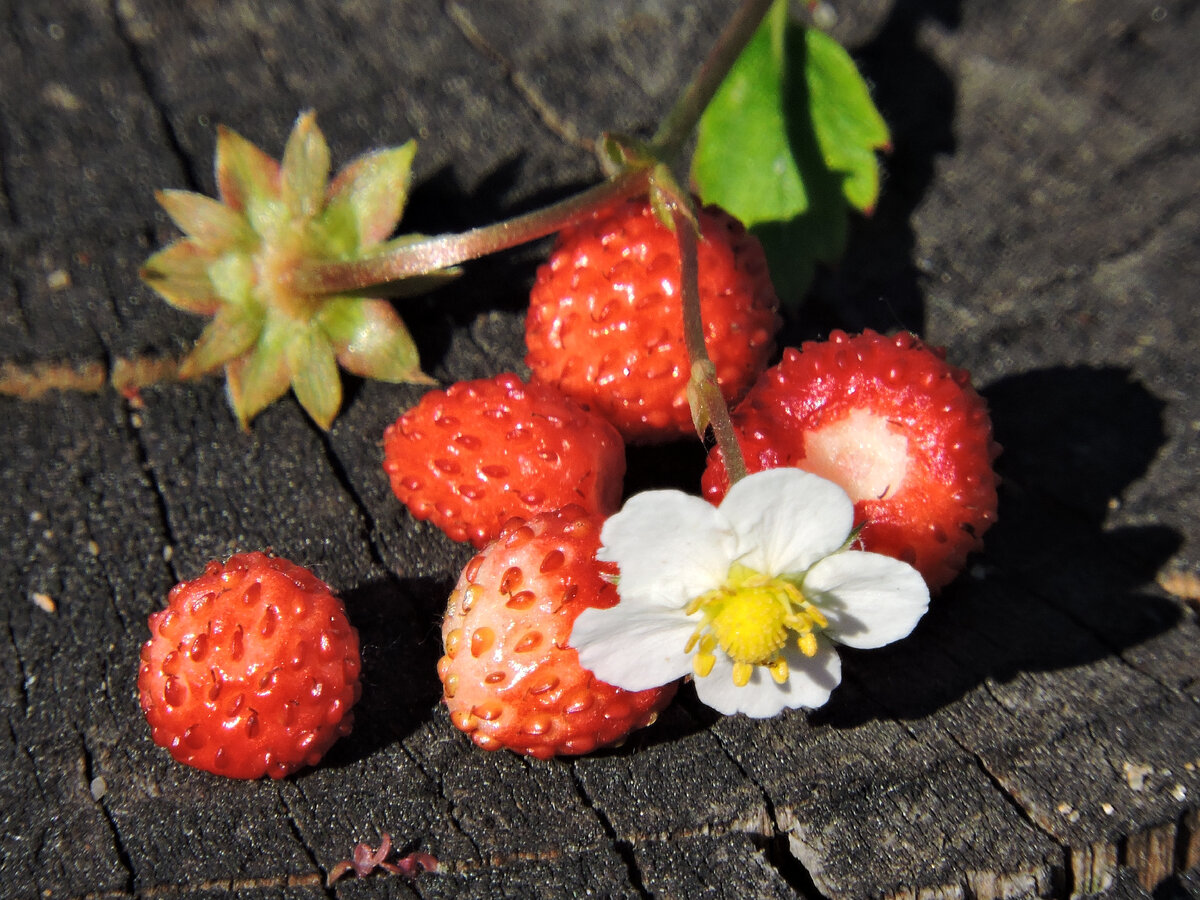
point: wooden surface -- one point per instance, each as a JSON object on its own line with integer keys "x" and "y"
{"x": 1037, "y": 736}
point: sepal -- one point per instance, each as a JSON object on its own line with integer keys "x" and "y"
{"x": 241, "y": 254}
{"x": 256, "y": 380}
{"x": 370, "y": 340}
{"x": 179, "y": 273}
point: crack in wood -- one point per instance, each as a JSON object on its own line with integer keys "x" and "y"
{"x": 793, "y": 871}
{"x": 145, "y": 77}
{"x": 438, "y": 780}
{"x": 622, "y": 847}
{"x": 524, "y": 86}
{"x": 123, "y": 856}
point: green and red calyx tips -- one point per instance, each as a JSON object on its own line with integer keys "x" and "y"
{"x": 241, "y": 252}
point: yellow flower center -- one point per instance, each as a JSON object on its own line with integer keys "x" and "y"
{"x": 751, "y": 618}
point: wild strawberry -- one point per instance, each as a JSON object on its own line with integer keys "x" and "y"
{"x": 471, "y": 457}
{"x": 899, "y": 428}
{"x": 510, "y": 678}
{"x": 605, "y": 321}
{"x": 251, "y": 669}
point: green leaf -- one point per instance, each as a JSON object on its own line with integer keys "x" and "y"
{"x": 370, "y": 340}
{"x": 744, "y": 160}
{"x": 367, "y": 198}
{"x": 787, "y": 144}
{"x": 305, "y": 169}
{"x": 315, "y": 378}
{"x": 849, "y": 127}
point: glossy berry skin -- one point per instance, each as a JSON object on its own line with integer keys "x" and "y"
{"x": 605, "y": 321}
{"x": 509, "y": 677}
{"x": 251, "y": 670}
{"x": 471, "y": 457}
{"x": 899, "y": 428}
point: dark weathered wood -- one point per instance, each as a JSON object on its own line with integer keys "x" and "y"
{"x": 1039, "y": 735}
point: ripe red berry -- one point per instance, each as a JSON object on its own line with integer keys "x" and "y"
{"x": 471, "y": 457}
{"x": 605, "y": 320}
{"x": 251, "y": 669}
{"x": 899, "y": 428}
{"x": 509, "y": 676}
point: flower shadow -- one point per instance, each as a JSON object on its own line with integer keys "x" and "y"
{"x": 1056, "y": 587}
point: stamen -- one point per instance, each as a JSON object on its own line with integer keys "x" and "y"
{"x": 741, "y": 673}
{"x": 808, "y": 644}
{"x": 749, "y": 618}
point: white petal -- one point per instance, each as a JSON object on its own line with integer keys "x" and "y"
{"x": 869, "y": 599}
{"x": 633, "y": 650}
{"x": 787, "y": 519}
{"x": 811, "y": 679}
{"x": 810, "y": 682}
{"x": 669, "y": 547}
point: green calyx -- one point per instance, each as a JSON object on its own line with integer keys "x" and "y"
{"x": 238, "y": 261}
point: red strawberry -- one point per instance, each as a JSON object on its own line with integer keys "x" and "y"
{"x": 899, "y": 428}
{"x": 251, "y": 669}
{"x": 510, "y": 678}
{"x": 605, "y": 321}
{"x": 471, "y": 457}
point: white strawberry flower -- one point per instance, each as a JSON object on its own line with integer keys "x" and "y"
{"x": 750, "y": 596}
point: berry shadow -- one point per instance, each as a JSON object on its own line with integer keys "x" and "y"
{"x": 399, "y": 628}
{"x": 1055, "y": 587}
{"x": 677, "y": 465}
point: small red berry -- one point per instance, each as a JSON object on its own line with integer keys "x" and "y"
{"x": 509, "y": 675}
{"x": 605, "y": 321}
{"x": 471, "y": 457}
{"x": 900, "y": 429}
{"x": 251, "y": 670}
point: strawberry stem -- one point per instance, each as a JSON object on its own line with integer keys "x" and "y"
{"x": 441, "y": 252}
{"x": 679, "y": 123}
{"x": 709, "y": 408}
{"x": 438, "y": 253}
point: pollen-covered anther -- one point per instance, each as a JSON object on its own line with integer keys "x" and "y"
{"x": 750, "y": 618}
{"x": 807, "y": 642}
{"x": 741, "y": 673}
{"x": 705, "y": 659}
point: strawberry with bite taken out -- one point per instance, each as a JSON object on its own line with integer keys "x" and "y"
{"x": 471, "y": 457}
{"x": 900, "y": 429}
{"x": 605, "y": 321}
{"x": 251, "y": 670}
{"x": 509, "y": 676}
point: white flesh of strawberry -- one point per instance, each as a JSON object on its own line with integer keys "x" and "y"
{"x": 864, "y": 453}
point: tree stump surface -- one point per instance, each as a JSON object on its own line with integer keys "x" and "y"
{"x": 1036, "y": 736}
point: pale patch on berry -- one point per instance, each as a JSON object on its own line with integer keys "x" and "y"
{"x": 864, "y": 453}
